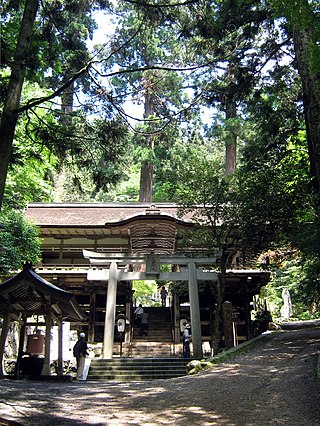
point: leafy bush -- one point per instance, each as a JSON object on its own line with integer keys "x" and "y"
{"x": 19, "y": 243}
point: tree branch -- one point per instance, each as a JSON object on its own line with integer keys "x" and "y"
{"x": 155, "y": 5}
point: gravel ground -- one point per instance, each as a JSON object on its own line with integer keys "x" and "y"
{"x": 272, "y": 383}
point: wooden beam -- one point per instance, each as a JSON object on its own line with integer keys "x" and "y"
{"x": 122, "y": 275}
{"x": 101, "y": 259}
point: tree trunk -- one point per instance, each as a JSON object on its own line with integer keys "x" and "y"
{"x": 10, "y": 114}
{"x": 67, "y": 95}
{"x": 308, "y": 67}
{"x": 229, "y": 106}
{"x": 217, "y": 329}
{"x": 219, "y": 293}
{"x": 146, "y": 180}
{"x": 146, "y": 174}
{"x": 231, "y": 143}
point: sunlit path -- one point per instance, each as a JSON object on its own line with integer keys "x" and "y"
{"x": 274, "y": 383}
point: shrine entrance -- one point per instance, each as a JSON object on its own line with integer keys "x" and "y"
{"x": 96, "y": 250}
{"x": 117, "y": 268}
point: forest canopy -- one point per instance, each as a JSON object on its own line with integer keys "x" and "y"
{"x": 195, "y": 102}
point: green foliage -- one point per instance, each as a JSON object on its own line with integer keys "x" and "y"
{"x": 89, "y": 155}
{"x": 33, "y": 165}
{"x": 208, "y": 196}
{"x": 304, "y": 16}
{"x": 144, "y": 292}
{"x": 57, "y": 53}
{"x": 96, "y": 160}
{"x": 32, "y": 182}
{"x": 274, "y": 171}
{"x": 184, "y": 163}
{"x": 308, "y": 287}
{"x": 293, "y": 270}
{"x": 19, "y": 243}
{"x": 255, "y": 108}
{"x": 125, "y": 191}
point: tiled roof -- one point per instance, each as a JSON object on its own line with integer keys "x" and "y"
{"x": 93, "y": 214}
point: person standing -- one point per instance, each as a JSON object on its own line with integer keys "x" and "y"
{"x": 144, "y": 324}
{"x": 163, "y": 294}
{"x": 186, "y": 341}
{"x": 80, "y": 352}
{"x": 138, "y": 315}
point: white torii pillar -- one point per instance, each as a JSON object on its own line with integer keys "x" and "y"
{"x": 194, "y": 311}
{"x": 110, "y": 312}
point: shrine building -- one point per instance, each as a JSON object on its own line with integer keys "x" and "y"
{"x": 95, "y": 251}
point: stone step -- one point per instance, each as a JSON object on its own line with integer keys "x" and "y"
{"x": 153, "y": 341}
{"x": 152, "y": 338}
{"x": 146, "y": 350}
{"x": 155, "y": 330}
{"x": 162, "y": 325}
{"x": 150, "y": 345}
{"x": 141, "y": 347}
{"x": 140, "y": 352}
{"x": 133, "y": 377}
{"x": 128, "y": 369}
{"x": 133, "y": 361}
{"x": 159, "y": 321}
{"x": 139, "y": 364}
{"x": 156, "y": 334}
{"x": 158, "y": 342}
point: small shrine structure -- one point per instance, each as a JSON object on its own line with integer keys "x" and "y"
{"x": 28, "y": 295}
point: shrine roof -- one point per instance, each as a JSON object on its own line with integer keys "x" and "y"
{"x": 29, "y": 293}
{"x": 98, "y": 214}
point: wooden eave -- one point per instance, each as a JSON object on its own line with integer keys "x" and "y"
{"x": 246, "y": 280}
{"x": 130, "y": 227}
{"x": 29, "y": 294}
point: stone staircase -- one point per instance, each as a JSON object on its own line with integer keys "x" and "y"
{"x": 136, "y": 369}
{"x": 159, "y": 342}
{"x": 145, "y": 358}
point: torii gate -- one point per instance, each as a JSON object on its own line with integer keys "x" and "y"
{"x": 187, "y": 269}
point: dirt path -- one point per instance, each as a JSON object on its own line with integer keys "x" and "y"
{"x": 274, "y": 383}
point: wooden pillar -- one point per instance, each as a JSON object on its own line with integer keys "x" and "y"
{"x": 175, "y": 303}
{"x": 194, "y": 311}
{"x": 3, "y": 338}
{"x": 46, "y": 371}
{"x": 129, "y": 320}
{"x": 60, "y": 348}
{"x": 129, "y": 313}
{"x": 176, "y": 317}
{"x": 92, "y": 316}
{"x": 247, "y": 312}
{"x": 61, "y": 249}
{"x": 21, "y": 345}
{"x": 227, "y": 324}
{"x": 110, "y": 312}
